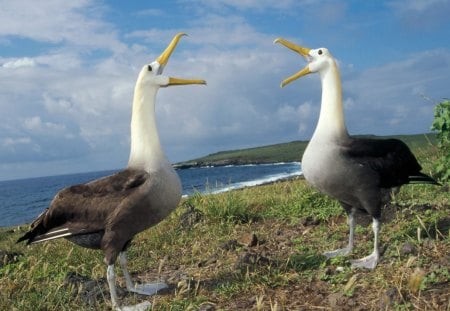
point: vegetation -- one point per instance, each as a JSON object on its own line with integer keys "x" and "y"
{"x": 441, "y": 125}
{"x": 288, "y": 152}
{"x": 253, "y": 249}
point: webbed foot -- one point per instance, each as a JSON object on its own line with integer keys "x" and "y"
{"x": 368, "y": 262}
{"x": 147, "y": 289}
{"x": 143, "y": 306}
{"x": 337, "y": 252}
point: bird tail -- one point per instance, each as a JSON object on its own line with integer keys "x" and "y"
{"x": 29, "y": 236}
{"x": 33, "y": 237}
{"x": 421, "y": 178}
{"x": 36, "y": 228}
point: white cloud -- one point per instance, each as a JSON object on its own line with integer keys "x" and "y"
{"x": 35, "y": 124}
{"x": 386, "y": 98}
{"x": 422, "y": 14}
{"x": 301, "y": 116}
{"x": 76, "y": 22}
{"x": 8, "y": 141}
{"x": 20, "y": 62}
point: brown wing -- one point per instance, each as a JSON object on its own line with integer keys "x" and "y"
{"x": 84, "y": 208}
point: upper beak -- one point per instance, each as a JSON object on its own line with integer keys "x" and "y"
{"x": 302, "y": 51}
{"x": 164, "y": 58}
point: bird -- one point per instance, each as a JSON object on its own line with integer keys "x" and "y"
{"x": 106, "y": 213}
{"x": 361, "y": 173}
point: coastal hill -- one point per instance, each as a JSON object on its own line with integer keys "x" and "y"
{"x": 286, "y": 152}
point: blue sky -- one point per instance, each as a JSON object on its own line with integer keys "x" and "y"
{"x": 68, "y": 68}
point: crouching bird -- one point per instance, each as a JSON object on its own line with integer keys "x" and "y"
{"x": 106, "y": 213}
{"x": 359, "y": 172}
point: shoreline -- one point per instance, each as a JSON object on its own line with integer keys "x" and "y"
{"x": 12, "y": 228}
{"x": 228, "y": 188}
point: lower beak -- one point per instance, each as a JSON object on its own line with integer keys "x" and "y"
{"x": 177, "y": 81}
{"x": 299, "y": 74}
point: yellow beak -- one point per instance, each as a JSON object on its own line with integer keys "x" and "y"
{"x": 302, "y": 51}
{"x": 164, "y": 58}
{"x": 178, "y": 81}
{"x": 299, "y": 74}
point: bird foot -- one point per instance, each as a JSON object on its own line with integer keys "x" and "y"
{"x": 337, "y": 252}
{"x": 368, "y": 262}
{"x": 147, "y": 289}
{"x": 143, "y": 306}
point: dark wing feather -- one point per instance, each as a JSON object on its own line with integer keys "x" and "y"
{"x": 84, "y": 208}
{"x": 390, "y": 158}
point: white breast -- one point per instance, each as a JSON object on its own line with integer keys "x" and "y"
{"x": 321, "y": 163}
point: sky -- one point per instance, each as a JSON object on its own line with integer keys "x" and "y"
{"x": 68, "y": 69}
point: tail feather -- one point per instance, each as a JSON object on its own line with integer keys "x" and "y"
{"x": 421, "y": 178}
{"x": 37, "y": 234}
{"x": 27, "y": 236}
{"x": 36, "y": 229}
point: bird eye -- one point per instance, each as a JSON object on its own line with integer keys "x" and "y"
{"x": 320, "y": 52}
{"x": 150, "y": 68}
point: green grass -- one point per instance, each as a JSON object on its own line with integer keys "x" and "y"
{"x": 210, "y": 261}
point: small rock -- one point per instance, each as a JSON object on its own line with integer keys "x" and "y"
{"x": 250, "y": 261}
{"x": 309, "y": 221}
{"x": 328, "y": 271}
{"x": 408, "y": 249}
{"x": 229, "y": 245}
{"x": 249, "y": 240}
{"x": 207, "y": 306}
{"x": 335, "y": 300}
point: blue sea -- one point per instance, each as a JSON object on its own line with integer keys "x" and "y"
{"x": 22, "y": 200}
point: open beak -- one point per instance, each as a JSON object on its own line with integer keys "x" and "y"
{"x": 164, "y": 58}
{"x": 302, "y": 51}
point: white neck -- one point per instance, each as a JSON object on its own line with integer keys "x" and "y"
{"x": 146, "y": 152}
{"x": 331, "y": 124}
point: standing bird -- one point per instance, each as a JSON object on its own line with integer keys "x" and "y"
{"x": 359, "y": 172}
{"x": 106, "y": 213}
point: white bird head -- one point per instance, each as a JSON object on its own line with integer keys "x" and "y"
{"x": 318, "y": 60}
{"x": 151, "y": 74}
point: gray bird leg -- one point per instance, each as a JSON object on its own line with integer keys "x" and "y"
{"x": 110, "y": 276}
{"x": 348, "y": 249}
{"x": 371, "y": 261}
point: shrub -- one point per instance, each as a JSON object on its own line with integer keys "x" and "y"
{"x": 441, "y": 125}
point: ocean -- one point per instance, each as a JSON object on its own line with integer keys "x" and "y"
{"x": 22, "y": 200}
